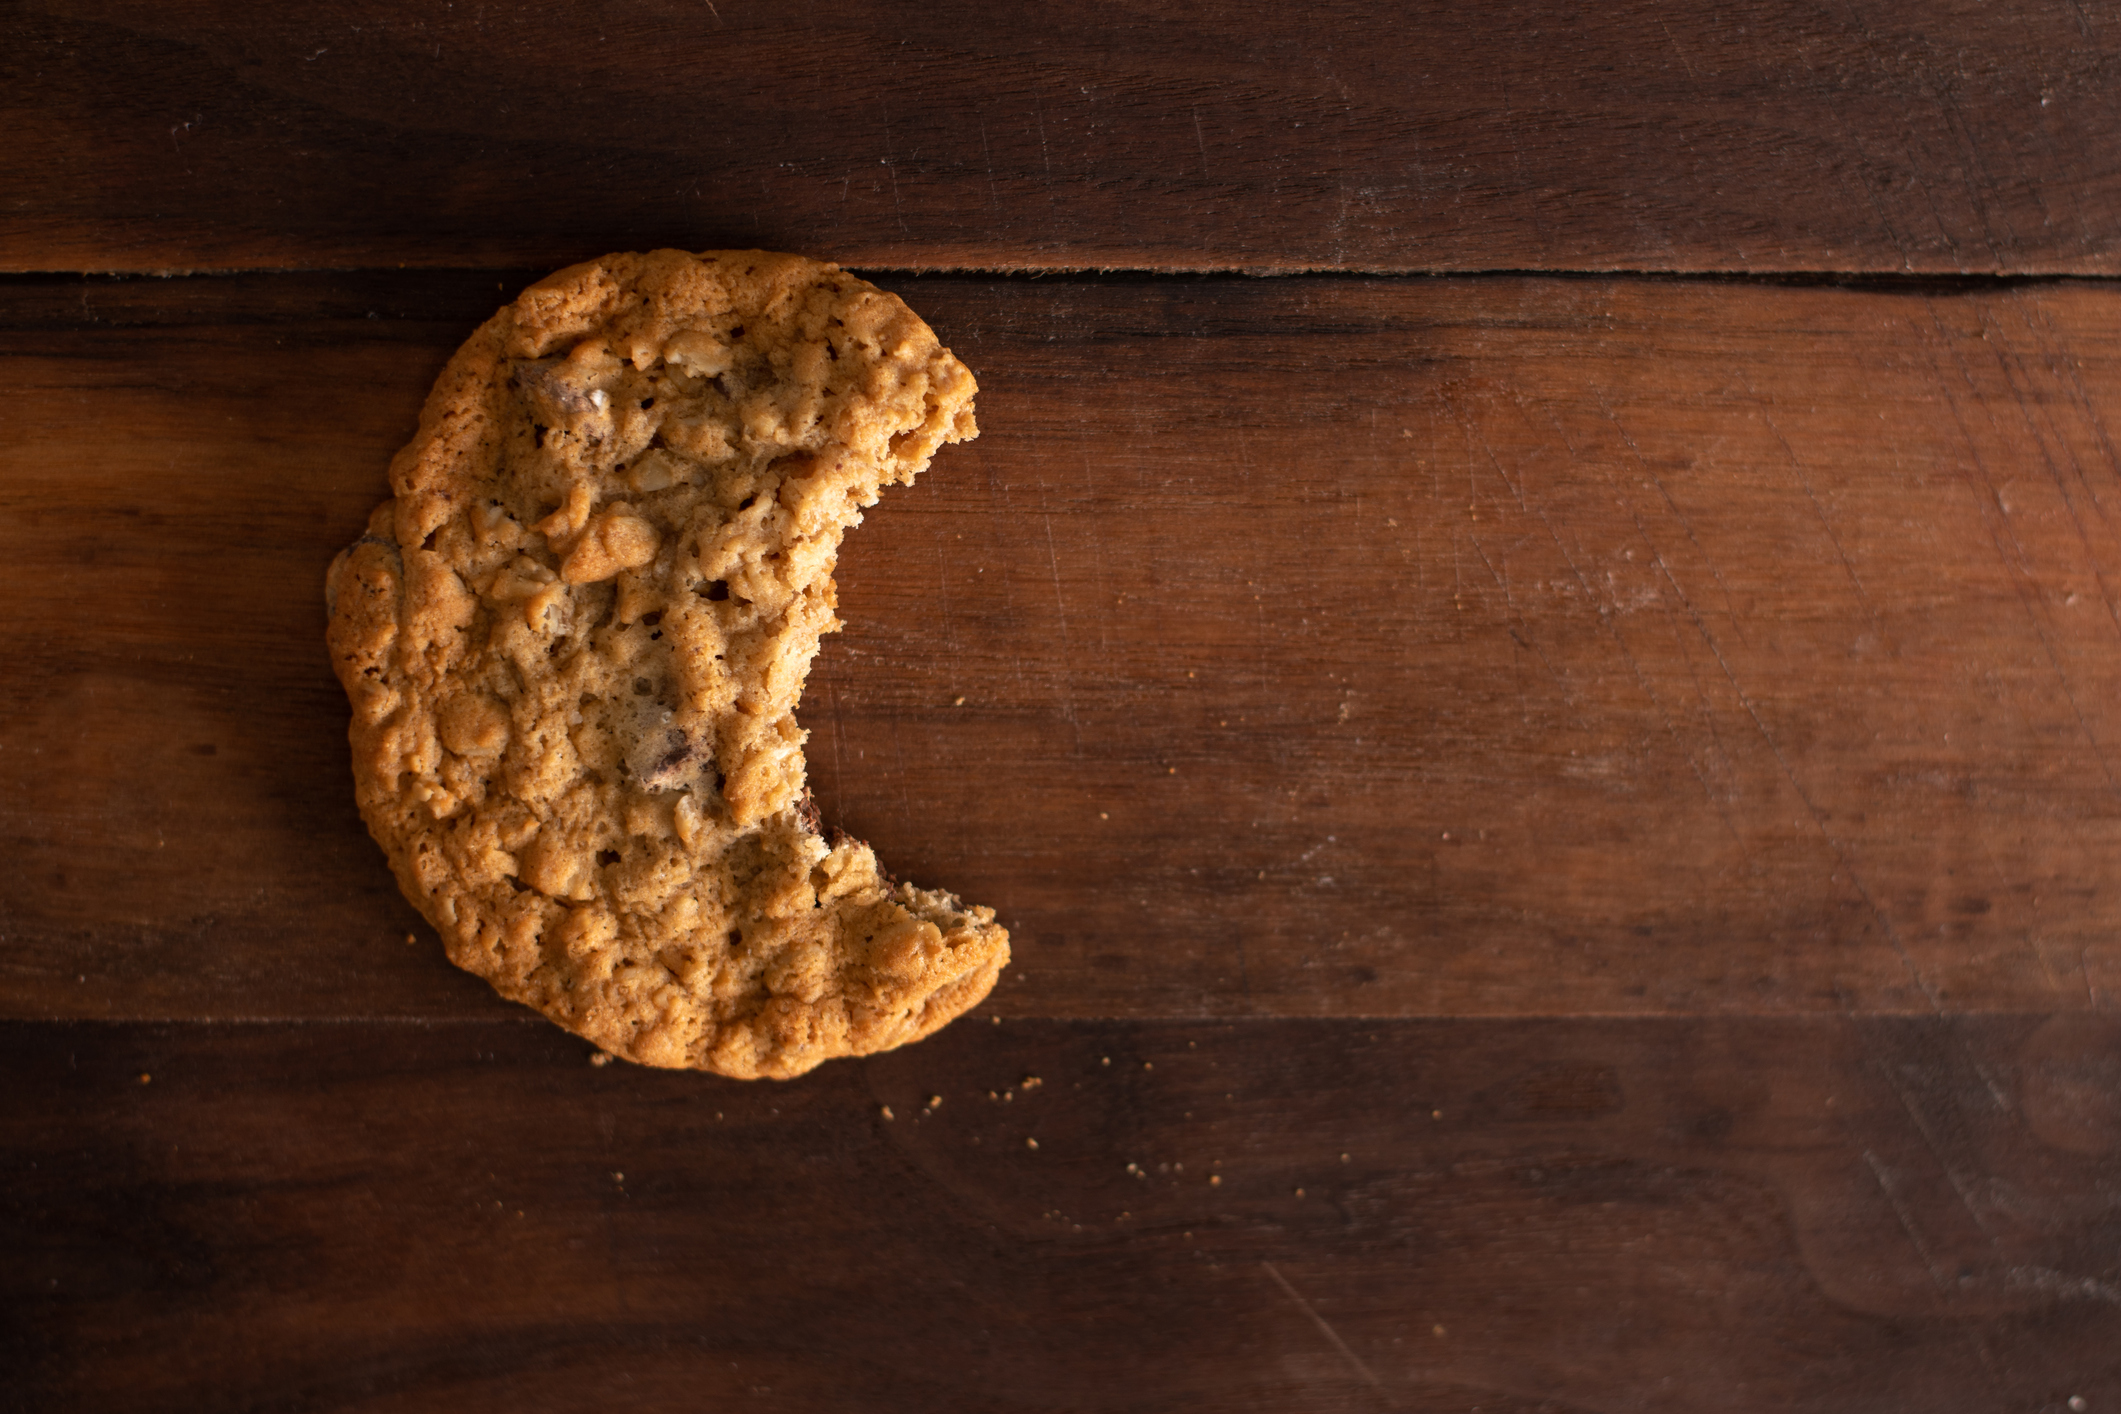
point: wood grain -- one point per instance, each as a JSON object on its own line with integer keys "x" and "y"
{"x": 1342, "y": 647}
{"x": 1794, "y": 1214}
{"x": 1878, "y": 135}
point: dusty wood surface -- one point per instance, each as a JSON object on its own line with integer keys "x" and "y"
{"x": 1335, "y": 647}
{"x": 1799, "y": 1213}
{"x": 1767, "y": 135}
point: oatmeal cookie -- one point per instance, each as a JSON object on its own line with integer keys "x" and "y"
{"x": 575, "y": 637}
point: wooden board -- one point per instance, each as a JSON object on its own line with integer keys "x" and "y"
{"x": 1767, "y": 135}
{"x": 1658, "y": 1215}
{"x": 1499, "y": 646}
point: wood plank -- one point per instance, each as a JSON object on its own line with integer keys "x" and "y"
{"x": 1326, "y": 647}
{"x": 1879, "y": 135}
{"x": 1791, "y": 1214}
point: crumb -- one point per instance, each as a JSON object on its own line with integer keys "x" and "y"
{"x": 885, "y": 1111}
{"x": 1215, "y": 1180}
{"x": 145, "y": 1077}
{"x": 1030, "y": 1143}
{"x": 1031, "y": 1082}
{"x": 935, "y": 1102}
{"x": 600, "y": 1058}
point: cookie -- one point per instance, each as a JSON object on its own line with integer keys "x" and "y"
{"x": 574, "y": 641}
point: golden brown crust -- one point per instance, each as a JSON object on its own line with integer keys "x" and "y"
{"x": 575, "y": 638}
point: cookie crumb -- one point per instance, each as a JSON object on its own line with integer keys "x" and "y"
{"x": 411, "y": 939}
{"x": 1030, "y": 1143}
{"x": 1215, "y": 1180}
{"x": 935, "y": 1102}
{"x": 145, "y": 1077}
{"x": 600, "y": 1059}
{"x": 1030, "y": 1082}
{"x": 885, "y": 1111}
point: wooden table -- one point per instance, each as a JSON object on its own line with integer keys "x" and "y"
{"x": 1531, "y": 653}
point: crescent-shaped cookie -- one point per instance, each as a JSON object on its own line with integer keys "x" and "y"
{"x": 575, "y": 637}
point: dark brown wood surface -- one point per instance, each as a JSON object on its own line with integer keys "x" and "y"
{"x": 1559, "y": 825}
{"x": 1341, "y": 647}
{"x": 1538, "y": 134}
{"x": 1800, "y": 1213}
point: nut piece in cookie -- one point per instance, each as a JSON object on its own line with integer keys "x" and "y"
{"x": 575, "y": 637}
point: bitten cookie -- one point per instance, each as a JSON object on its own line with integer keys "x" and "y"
{"x": 575, "y": 637}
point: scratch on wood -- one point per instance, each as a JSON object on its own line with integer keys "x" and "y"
{"x": 1929, "y": 1141}
{"x": 2007, "y": 361}
{"x": 1354, "y": 1361}
{"x": 1907, "y": 1222}
{"x": 1060, "y": 609}
{"x": 1686, "y": 526}
{"x": 1996, "y": 512}
{"x": 1605, "y": 620}
{"x": 1818, "y": 816}
{"x": 1804, "y": 480}
{"x": 2050, "y": 1282}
